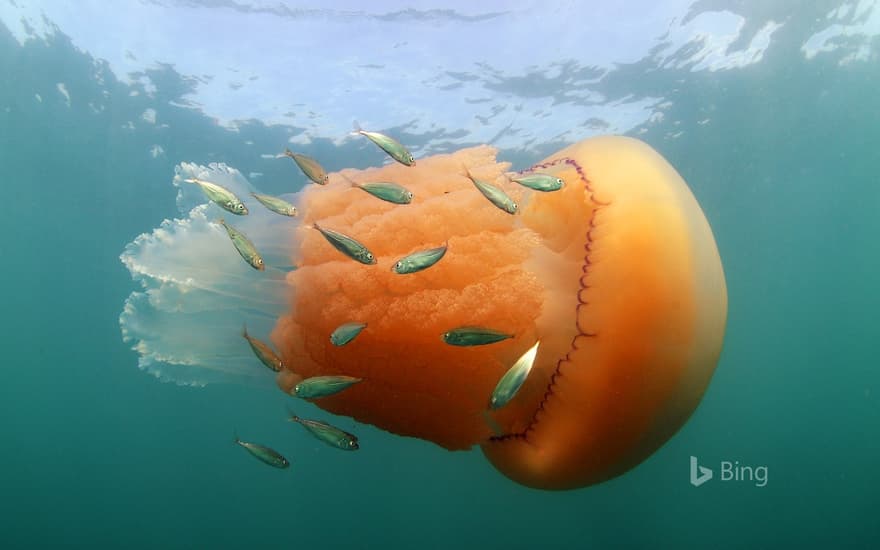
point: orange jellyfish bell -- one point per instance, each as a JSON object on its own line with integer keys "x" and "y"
{"x": 617, "y": 274}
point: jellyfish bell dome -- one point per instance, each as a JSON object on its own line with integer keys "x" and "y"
{"x": 616, "y": 274}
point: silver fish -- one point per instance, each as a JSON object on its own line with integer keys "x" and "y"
{"x": 420, "y": 260}
{"x": 263, "y": 352}
{"x": 540, "y": 182}
{"x": 279, "y": 206}
{"x": 387, "y": 191}
{"x": 264, "y": 454}
{"x": 347, "y": 245}
{"x": 474, "y": 336}
{"x": 224, "y": 198}
{"x": 345, "y": 333}
{"x": 309, "y": 166}
{"x": 513, "y": 379}
{"x": 244, "y": 246}
{"x": 495, "y": 194}
{"x": 390, "y": 145}
{"x": 322, "y": 386}
{"x": 328, "y": 434}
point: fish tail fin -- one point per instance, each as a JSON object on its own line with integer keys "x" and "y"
{"x": 493, "y": 425}
{"x": 349, "y": 180}
{"x": 235, "y": 439}
{"x": 291, "y": 417}
{"x": 244, "y": 331}
{"x": 356, "y": 128}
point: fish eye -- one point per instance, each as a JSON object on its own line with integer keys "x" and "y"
{"x": 399, "y": 265}
{"x": 409, "y": 195}
{"x": 515, "y": 206}
{"x": 369, "y": 256}
{"x": 260, "y": 261}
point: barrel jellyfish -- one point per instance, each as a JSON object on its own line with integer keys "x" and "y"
{"x": 617, "y": 275}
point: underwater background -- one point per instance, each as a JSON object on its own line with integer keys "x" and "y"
{"x": 769, "y": 110}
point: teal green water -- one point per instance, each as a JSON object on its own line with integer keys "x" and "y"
{"x": 97, "y": 453}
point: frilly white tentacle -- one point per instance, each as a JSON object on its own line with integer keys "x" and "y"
{"x": 197, "y": 292}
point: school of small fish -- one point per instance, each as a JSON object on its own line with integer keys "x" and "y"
{"x": 464, "y": 336}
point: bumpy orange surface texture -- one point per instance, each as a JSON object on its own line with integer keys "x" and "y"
{"x": 617, "y": 274}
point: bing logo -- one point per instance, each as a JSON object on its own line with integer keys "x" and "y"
{"x": 699, "y": 477}
{"x": 730, "y": 471}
